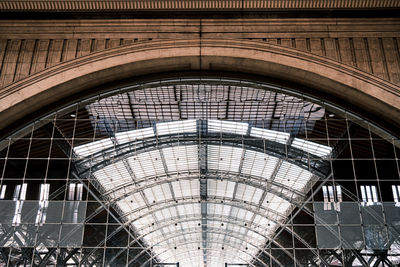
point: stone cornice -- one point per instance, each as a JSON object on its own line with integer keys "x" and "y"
{"x": 210, "y": 28}
{"x": 150, "y": 5}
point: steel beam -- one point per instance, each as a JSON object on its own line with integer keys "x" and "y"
{"x": 300, "y": 158}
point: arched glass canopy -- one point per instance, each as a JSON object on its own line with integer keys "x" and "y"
{"x": 191, "y": 166}
{"x": 194, "y": 152}
{"x": 200, "y": 172}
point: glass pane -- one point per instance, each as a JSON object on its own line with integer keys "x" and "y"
{"x": 328, "y": 237}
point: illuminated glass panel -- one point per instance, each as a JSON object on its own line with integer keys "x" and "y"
{"x": 275, "y": 136}
{"x": 187, "y": 126}
{"x": 228, "y": 127}
{"x": 134, "y": 135}
{"x": 312, "y": 147}
{"x": 93, "y": 147}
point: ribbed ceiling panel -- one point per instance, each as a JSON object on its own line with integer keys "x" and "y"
{"x": 124, "y": 5}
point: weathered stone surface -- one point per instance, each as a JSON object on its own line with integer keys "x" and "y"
{"x": 357, "y": 60}
{"x": 371, "y": 45}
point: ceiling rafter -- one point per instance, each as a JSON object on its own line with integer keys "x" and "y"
{"x": 283, "y": 225}
{"x": 233, "y": 235}
{"x": 227, "y": 220}
{"x": 294, "y": 155}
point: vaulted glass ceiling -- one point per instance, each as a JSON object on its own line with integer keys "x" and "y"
{"x": 208, "y": 201}
{"x": 204, "y": 173}
{"x": 200, "y": 171}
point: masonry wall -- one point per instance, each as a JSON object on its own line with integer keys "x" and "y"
{"x": 27, "y": 47}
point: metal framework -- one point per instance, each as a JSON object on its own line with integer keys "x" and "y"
{"x": 108, "y": 153}
{"x": 191, "y": 173}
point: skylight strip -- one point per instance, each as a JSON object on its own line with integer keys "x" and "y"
{"x": 363, "y": 194}
{"x": 271, "y": 135}
{"x": 239, "y": 128}
{"x": 374, "y": 194}
{"x": 176, "y": 127}
{"x": 312, "y": 147}
{"x": 3, "y": 191}
{"x": 339, "y": 193}
{"x": 93, "y": 147}
{"x": 134, "y": 135}
{"x": 369, "y": 194}
{"x": 395, "y": 194}
{"x": 331, "y": 195}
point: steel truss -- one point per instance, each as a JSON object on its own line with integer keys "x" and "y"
{"x": 347, "y": 257}
{"x": 65, "y": 145}
{"x": 30, "y": 256}
{"x": 62, "y": 256}
{"x": 260, "y": 149}
{"x": 298, "y": 157}
{"x": 269, "y": 185}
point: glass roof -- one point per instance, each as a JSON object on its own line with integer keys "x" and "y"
{"x": 202, "y": 172}
{"x": 182, "y": 102}
{"x": 202, "y": 202}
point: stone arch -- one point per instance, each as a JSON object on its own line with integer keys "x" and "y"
{"x": 324, "y": 76}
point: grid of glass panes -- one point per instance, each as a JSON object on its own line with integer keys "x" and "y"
{"x": 107, "y": 186}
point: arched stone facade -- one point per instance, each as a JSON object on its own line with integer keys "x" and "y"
{"x": 325, "y": 76}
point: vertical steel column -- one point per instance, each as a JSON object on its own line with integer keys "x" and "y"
{"x": 202, "y": 155}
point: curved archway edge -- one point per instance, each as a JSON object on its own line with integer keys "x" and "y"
{"x": 326, "y": 76}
